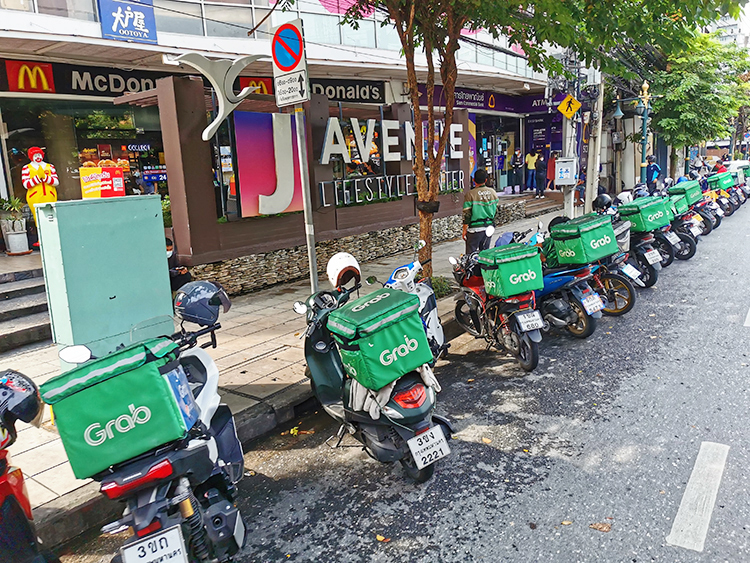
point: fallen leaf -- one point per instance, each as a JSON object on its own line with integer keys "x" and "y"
{"x": 306, "y": 432}
{"x": 527, "y": 451}
{"x": 566, "y": 522}
{"x": 469, "y": 380}
{"x": 652, "y": 315}
{"x": 601, "y": 526}
{"x": 662, "y": 492}
{"x": 486, "y": 440}
{"x": 294, "y": 431}
{"x": 607, "y": 333}
{"x": 249, "y": 473}
{"x": 382, "y": 538}
{"x": 653, "y": 337}
{"x": 532, "y": 525}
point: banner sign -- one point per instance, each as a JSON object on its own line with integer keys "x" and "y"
{"x": 128, "y": 21}
{"x": 491, "y": 101}
{"x": 336, "y": 90}
{"x": 54, "y": 78}
{"x": 101, "y": 182}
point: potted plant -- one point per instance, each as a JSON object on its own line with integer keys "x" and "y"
{"x": 14, "y": 227}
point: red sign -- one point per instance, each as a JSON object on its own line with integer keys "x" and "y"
{"x": 101, "y": 182}
{"x": 264, "y": 85}
{"x": 287, "y": 47}
{"x": 25, "y": 76}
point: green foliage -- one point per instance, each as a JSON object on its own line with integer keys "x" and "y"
{"x": 441, "y": 286}
{"x": 702, "y": 89}
{"x": 14, "y": 206}
{"x": 166, "y": 211}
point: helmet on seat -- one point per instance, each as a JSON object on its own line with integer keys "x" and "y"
{"x": 602, "y": 202}
{"x": 342, "y": 268}
{"x": 19, "y": 400}
{"x": 199, "y": 301}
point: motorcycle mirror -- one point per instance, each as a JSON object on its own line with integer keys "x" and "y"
{"x": 77, "y": 354}
{"x": 489, "y": 231}
{"x": 539, "y": 226}
{"x": 371, "y": 280}
{"x": 299, "y": 307}
{"x": 453, "y": 261}
{"x": 421, "y": 244}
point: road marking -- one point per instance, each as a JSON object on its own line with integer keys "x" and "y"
{"x": 690, "y": 526}
{"x": 747, "y": 319}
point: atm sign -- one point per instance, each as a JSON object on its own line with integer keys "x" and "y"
{"x": 25, "y": 76}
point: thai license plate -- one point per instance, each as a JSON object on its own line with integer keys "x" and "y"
{"x": 631, "y": 271}
{"x": 653, "y": 256}
{"x": 428, "y": 447}
{"x": 723, "y": 200}
{"x": 719, "y": 211}
{"x": 592, "y": 303}
{"x": 696, "y": 231}
{"x": 697, "y": 218}
{"x": 672, "y": 238}
{"x": 167, "y": 545}
{"x": 530, "y": 321}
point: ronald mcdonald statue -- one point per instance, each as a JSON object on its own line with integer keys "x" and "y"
{"x": 39, "y": 178}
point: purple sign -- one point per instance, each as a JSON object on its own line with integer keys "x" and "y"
{"x": 492, "y": 101}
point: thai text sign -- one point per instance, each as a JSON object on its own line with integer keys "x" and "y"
{"x": 101, "y": 182}
{"x": 128, "y": 21}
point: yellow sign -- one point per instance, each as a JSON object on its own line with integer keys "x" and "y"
{"x": 569, "y": 106}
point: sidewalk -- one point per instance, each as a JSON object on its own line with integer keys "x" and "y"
{"x": 260, "y": 357}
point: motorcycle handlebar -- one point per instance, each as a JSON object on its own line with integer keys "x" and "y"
{"x": 189, "y": 339}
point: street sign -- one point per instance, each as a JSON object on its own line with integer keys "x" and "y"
{"x": 290, "y": 64}
{"x": 569, "y": 106}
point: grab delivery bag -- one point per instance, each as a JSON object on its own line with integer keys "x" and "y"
{"x": 511, "y": 269}
{"x": 117, "y": 407}
{"x": 585, "y": 239}
{"x": 380, "y": 337}
{"x": 690, "y": 189}
{"x": 680, "y": 204}
{"x": 720, "y": 181}
{"x": 645, "y": 213}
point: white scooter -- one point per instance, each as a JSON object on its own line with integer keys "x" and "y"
{"x": 403, "y": 279}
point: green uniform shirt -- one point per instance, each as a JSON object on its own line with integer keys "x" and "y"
{"x": 480, "y": 206}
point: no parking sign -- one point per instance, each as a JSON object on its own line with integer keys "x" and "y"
{"x": 290, "y": 64}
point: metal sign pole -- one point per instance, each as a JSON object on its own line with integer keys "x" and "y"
{"x": 299, "y": 124}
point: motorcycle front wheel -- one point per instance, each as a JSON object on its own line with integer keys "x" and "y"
{"x": 649, "y": 274}
{"x": 707, "y": 224}
{"x": 618, "y": 294}
{"x": 666, "y": 250}
{"x": 687, "y": 248}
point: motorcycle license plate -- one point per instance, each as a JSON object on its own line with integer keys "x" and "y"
{"x": 672, "y": 238}
{"x": 653, "y": 257}
{"x": 696, "y": 231}
{"x": 167, "y": 545}
{"x": 592, "y": 304}
{"x": 530, "y": 321}
{"x": 697, "y": 218}
{"x": 631, "y": 271}
{"x": 719, "y": 211}
{"x": 724, "y": 200}
{"x": 428, "y": 447}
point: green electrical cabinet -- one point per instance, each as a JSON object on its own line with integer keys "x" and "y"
{"x": 105, "y": 270}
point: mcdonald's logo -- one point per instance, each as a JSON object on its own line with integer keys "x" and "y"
{"x": 264, "y": 85}
{"x": 24, "y": 76}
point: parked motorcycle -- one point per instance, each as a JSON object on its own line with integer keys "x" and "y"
{"x": 180, "y": 497}
{"x": 403, "y": 279}
{"x": 19, "y": 400}
{"x": 396, "y": 422}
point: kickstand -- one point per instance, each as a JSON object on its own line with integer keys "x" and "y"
{"x": 341, "y": 434}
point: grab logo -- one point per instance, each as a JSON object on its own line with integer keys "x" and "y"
{"x": 656, "y": 216}
{"x": 518, "y": 278}
{"x": 96, "y": 435}
{"x": 596, "y": 243}
{"x": 566, "y": 253}
{"x": 387, "y": 357}
{"x": 372, "y": 301}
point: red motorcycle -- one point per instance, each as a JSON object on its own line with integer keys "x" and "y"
{"x": 19, "y": 400}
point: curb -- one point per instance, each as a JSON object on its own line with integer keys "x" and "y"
{"x": 60, "y": 521}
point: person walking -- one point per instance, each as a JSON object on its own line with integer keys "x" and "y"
{"x": 531, "y": 169}
{"x": 541, "y": 176}
{"x": 480, "y": 206}
{"x": 516, "y": 163}
{"x": 652, "y": 174}
{"x": 551, "y": 171}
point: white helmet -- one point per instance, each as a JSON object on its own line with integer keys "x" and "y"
{"x": 342, "y": 268}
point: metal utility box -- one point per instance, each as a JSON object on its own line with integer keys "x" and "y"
{"x": 105, "y": 270}
{"x": 566, "y": 171}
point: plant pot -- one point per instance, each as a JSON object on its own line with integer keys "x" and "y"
{"x": 17, "y": 243}
{"x": 19, "y": 225}
{"x": 428, "y": 206}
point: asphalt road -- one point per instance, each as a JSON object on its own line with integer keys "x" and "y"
{"x": 605, "y": 431}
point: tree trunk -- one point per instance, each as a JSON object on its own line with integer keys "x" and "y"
{"x": 672, "y": 162}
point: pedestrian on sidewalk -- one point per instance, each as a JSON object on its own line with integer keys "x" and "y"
{"x": 652, "y": 174}
{"x": 531, "y": 169}
{"x": 551, "y": 171}
{"x": 580, "y": 189}
{"x": 517, "y": 180}
{"x": 541, "y": 176}
{"x": 480, "y": 207}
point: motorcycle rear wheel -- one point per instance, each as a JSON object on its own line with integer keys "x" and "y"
{"x": 586, "y": 324}
{"x": 463, "y": 318}
{"x": 618, "y": 294}
{"x": 419, "y": 475}
{"x": 666, "y": 250}
{"x": 707, "y": 224}
{"x": 649, "y": 274}
{"x": 687, "y": 249}
{"x": 528, "y": 354}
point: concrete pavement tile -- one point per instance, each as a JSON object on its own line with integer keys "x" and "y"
{"x": 292, "y": 340}
{"x": 38, "y": 493}
{"x": 41, "y": 458}
{"x": 236, "y": 403}
{"x": 251, "y": 353}
{"x": 250, "y": 371}
{"x": 271, "y": 384}
{"x": 289, "y": 354}
{"x": 30, "y": 438}
{"x": 60, "y": 479}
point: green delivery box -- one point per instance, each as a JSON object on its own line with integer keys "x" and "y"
{"x": 584, "y": 239}
{"x": 380, "y": 337}
{"x": 680, "y": 204}
{"x": 690, "y": 189}
{"x": 669, "y": 208}
{"x": 117, "y": 407}
{"x": 511, "y": 269}
{"x": 645, "y": 213}
{"x": 720, "y": 181}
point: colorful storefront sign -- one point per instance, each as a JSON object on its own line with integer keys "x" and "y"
{"x": 101, "y": 182}
{"x": 335, "y": 89}
{"x": 128, "y": 21}
{"x": 490, "y": 101}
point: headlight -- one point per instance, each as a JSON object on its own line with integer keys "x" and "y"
{"x": 401, "y": 274}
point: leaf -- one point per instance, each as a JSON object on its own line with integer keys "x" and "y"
{"x": 566, "y": 522}
{"x": 294, "y": 431}
{"x": 306, "y": 432}
{"x": 601, "y": 526}
{"x": 469, "y": 381}
{"x": 382, "y": 538}
{"x": 486, "y": 440}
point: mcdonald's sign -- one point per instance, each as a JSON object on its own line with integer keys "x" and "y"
{"x": 26, "y": 76}
{"x": 264, "y": 85}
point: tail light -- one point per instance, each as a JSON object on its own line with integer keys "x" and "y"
{"x": 583, "y": 273}
{"x": 647, "y": 238}
{"x": 412, "y": 398}
{"x": 159, "y": 471}
{"x": 155, "y": 525}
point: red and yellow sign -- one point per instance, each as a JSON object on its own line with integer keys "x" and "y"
{"x": 101, "y": 182}
{"x": 26, "y": 76}
{"x": 264, "y": 85}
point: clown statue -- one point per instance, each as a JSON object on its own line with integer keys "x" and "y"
{"x": 39, "y": 178}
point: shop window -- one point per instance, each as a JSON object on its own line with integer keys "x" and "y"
{"x": 22, "y": 5}
{"x": 265, "y": 29}
{"x": 467, "y": 53}
{"x": 388, "y": 38}
{"x": 484, "y": 56}
{"x": 178, "y": 17}
{"x": 228, "y": 21}
{"x": 314, "y": 6}
{"x": 362, "y": 37}
{"x": 78, "y": 9}
{"x": 322, "y": 29}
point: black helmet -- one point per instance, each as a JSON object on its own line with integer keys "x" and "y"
{"x": 694, "y": 175}
{"x": 19, "y": 400}
{"x": 199, "y": 301}
{"x": 602, "y": 202}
